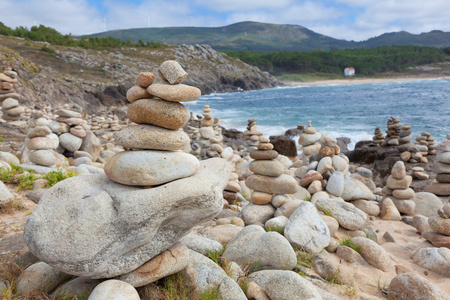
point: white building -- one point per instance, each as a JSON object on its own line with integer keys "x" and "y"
{"x": 349, "y": 71}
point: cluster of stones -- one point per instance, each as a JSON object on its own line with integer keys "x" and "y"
{"x": 211, "y": 137}
{"x": 69, "y": 135}
{"x": 405, "y": 135}
{"x": 9, "y": 96}
{"x": 378, "y": 137}
{"x": 230, "y": 193}
{"x": 427, "y": 140}
{"x": 268, "y": 180}
{"x": 393, "y": 132}
{"x": 309, "y": 140}
{"x": 193, "y": 130}
{"x": 397, "y": 186}
{"x": 442, "y": 169}
{"x": 104, "y": 122}
{"x": 40, "y": 146}
{"x": 439, "y": 236}
{"x": 155, "y": 141}
{"x": 72, "y": 129}
{"x": 252, "y": 136}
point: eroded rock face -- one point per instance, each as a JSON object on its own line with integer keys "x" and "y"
{"x": 94, "y": 227}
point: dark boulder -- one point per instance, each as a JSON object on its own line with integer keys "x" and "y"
{"x": 284, "y": 145}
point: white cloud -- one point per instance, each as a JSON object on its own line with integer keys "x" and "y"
{"x": 242, "y": 5}
{"x": 349, "y": 19}
{"x": 300, "y": 14}
{"x": 67, "y": 16}
{"x": 415, "y": 16}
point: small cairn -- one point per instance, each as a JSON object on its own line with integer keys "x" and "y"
{"x": 157, "y": 137}
{"x": 9, "y": 98}
{"x": 309, "y": 140}
{"x": 231, "y": 190}
{"x": 252, "y": 136}
{"x": 419, "y": 173}
{"x": 40, "y": 147}
{"x": 398, "y": 186}
{"x": 442, "y": 169}
{"x": 216, "y": 145}
{"x": 210, "y": 139}
{"x": 378, "y": 137}
{"x": 405, "y": 136}
{"x": 393, "y": 132}
{"x": 269, "y": 179}
{"x": 440, "y": 237}
{"x": 72, "y": 128}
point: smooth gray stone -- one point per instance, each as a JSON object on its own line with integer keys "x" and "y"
{"x": 94, "y": 227}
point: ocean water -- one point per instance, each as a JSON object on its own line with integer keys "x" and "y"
{"x": 348, "y": 110}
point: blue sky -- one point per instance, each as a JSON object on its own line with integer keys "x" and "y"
{"x": 346, "y": 19}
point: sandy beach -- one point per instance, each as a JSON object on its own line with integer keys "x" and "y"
{"x": 362, "y": 80}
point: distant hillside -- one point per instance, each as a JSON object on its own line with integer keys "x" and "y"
{"x": 240, "y": 36}
{"x": 256, "y": 36}
{"x": 435, "y": 38}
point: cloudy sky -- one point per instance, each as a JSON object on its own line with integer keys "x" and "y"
{"x": 346, "y": 19}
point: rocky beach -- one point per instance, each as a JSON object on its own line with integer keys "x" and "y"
{"x": 148, "y": 200}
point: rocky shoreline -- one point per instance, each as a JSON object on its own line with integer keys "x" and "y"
{"x": 233, "y": 215}
{"x": 97, "y": 80}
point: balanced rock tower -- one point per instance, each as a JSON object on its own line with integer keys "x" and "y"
{"x": 156, "y": 140}
{"x": 440, "y": 236}
{"x": 309, "y": 140}
{"x": 252, "y": 136}
{"x": 269, "y": 178}
{"x": 378, "y": 137}
{"x": 148, "y": 200}
{"x": 398, "y": 182}
{"x": 9, "y": 98}
{"x": 393, "y": 132}
{"x": 441, "y": 167}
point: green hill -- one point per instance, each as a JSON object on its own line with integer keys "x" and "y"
{"x": 254, "y": 36}
{"x": 240, "y": 36}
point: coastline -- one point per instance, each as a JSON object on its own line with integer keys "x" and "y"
{"x": 360, "y": 80}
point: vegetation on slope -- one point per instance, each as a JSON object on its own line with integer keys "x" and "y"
{"x": 256, "y": 36}
{"x": 50, "y": 35}
{"x": 365, "y": 61}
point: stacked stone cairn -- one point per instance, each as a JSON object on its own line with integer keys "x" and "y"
{"x": 393, "y": 132}
{"x": 426, "y": 144}
{"x": 442, "y": 169}
{"x": 231, "y": 190}
{"x": 211, "y": 138}
{"x": 40, "y": 145}
{"x": 378, "y": 137}
{"x": 268, "y": 179}
{"x": 405, "y": 136}
{"x": 398, "y": 186}
{"x": 126, "y": 224}
{"x": 440, "y": 224}
{"x": 72, "y": 128}
{"x": 157, "y": 139}
{"x": 309, "y": 140}
{"x": 252, "y": 136}
{"x": 192, "y": 128}
{"x": 9, "y": 97}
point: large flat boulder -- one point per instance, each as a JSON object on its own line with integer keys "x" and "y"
{"x": 93, "y": 227}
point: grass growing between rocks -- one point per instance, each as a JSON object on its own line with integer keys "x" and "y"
{"x": 305, "y": 259}
{"x": 25, "y": 179}
{"x": 348, "y": 243}
{"x": 54, "y": 177}
{"x": 12, "y": 206}
{"x": 280, "y": 230}
{"x": 175, "y": 287}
